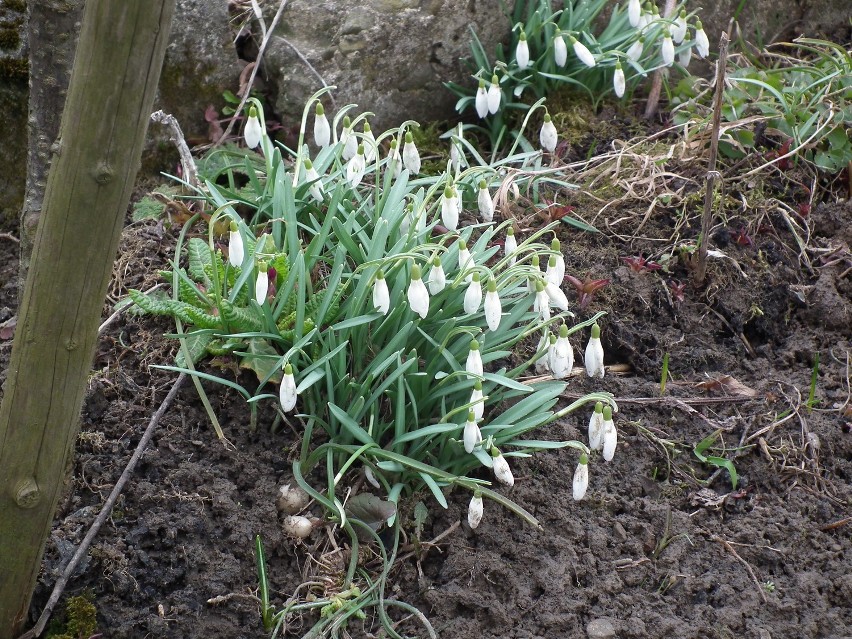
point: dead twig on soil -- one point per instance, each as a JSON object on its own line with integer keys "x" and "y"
{"x": 10, "y": 237}
{"x": 730, "y": 549}
{"x": 59, "y": 587}
{"x": 190, "y": 172}
{"x": 683, "y": 403}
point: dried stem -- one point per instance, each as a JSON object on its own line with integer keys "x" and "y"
{"x": 657, "y": 82}
{"x": 190, "y": 173}
{"x": 712, "y": 174}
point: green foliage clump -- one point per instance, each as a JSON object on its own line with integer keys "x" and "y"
{"x": 81, "y": 619}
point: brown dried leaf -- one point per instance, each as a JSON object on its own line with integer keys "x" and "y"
{"x": 727, "y": 385}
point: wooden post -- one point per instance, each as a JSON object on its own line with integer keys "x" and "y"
{"x": 116, "y": 70}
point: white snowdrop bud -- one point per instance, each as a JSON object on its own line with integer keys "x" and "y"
{"x": 465, "y": 260}
{"x": 667, "y": 51}
{"x": 475, "y": 510}
{"x": 636, "y": 49}
{"x": 510, "y": 246}
{"x": 381, "y": 295}
{"x": 560, "y": 50}
{"x": 493, "y": 307}
{"x": 542, "y": 361}
{"x": 370, "y": 147}
{"x": 594, "y": 359}
{"x": 473, "y": 366}
{"x": 298, "y": 526}
{"x": 355, "y": 167}
{"x": 610, "y": 436}
{"x": 437, "y": 277}
{"x": 679, "y": 28}
{"x": 541, "y": 304}
{"x": 562, "y": 357}
{"x": 261, "y": 284}
{"x": 582, "y": 52}
{"x": 559, "y": 275}
{"x": 581, "y": 478}
{"x": 236, "y": 252}
{"x": 394, "y": 159}
{"x": 634, "y": 12}
{"x": 418, "y": 296}
{"x": 685, "y": 56}
{"x": 552, "y": 271}
{"x": 476, "y": 398}
{"x": 494, "y": 95}
{"x": 322, "y": 129}
{"x": 348, "y": 139}
{"x": 254, "y": 130}
{"x": 472, "y": 435}
{"x": 501, "y": 469}
{"x": 548, "y": 136}
{"x": 702, "y": 44}
{"x": 315, "y": 189}
{"x": 485, "y": 203}
{"x": 450, "y": 208}
{"x": 596, "y": 428}
{"x": 287, "y": 391}
{"x": 410, "y": 156}
{"x": 619, "y": 84}
{"x": 556, "y": 296}
{"x": 473, "y": 295}
{"x": 481, "y": 101}
{"x": 522, "y": 52}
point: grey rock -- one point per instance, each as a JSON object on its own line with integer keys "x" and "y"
{"x": 600, "y": 629}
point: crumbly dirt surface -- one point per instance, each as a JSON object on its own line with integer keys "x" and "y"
{"x": 662, "y": 546}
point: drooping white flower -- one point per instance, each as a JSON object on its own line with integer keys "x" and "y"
{"x": 610, "y": 435}
{"x": 450, "y": 208}
{"x": 437, "y": 277}
{"x": 702, "y": 43}
{"x": 502, "y": 472}
{"x": 542, "y": 362}
{"x": 369, "y": 141}
{"x": 560, "y": 50}
{"x": 559, "y": 275}
{"x": 493, "y": 307}
{"x": 481, "y": 99}
{"x": 581, "y": 478}
{"x": 472, "y": 435}
{"x": 646, "y": 18}
{"x": 457, "y": 159}
{"x": 522, "y": 52}
{"x": 254, "y": 130}
{"x": 394, "y": 159}
{"x": 548, "y": 136}
{"x": 322, "y": 129}
{"x": 634, "y": 12}
{"x": 556, "y": 296}
{"x": 465, "y": 260}
{"x": 355, "y": 167}
{"x": 418, "y": 296}
{"x": 261, "y": 284}
{"x": 552, "y": 271}
{"x": 287, "y": 391}
{"x": 475, "y": 510}
{"x": 679, "y": 28}
{"x": 381, "y": 295}
{"x": 667, "y": 51}
{"x": 510, "y": 246}
{"x": 594, "y": 359}
{"x": 473, "y": 295}
{"x": 316, "y": 190}
{"x": 473, "y": 364}
{"x": 477, "y": 399}
{"x": 619, "y": 84}
{"x": 495, "y": 94}
{"x": 685, "y": 56}
{"x": 236, "y": 252}
{"x": 541, "y": 305}
{"x": 348, "y": 139}
{"x": 410, "y": 156}
{"x": 582, "y": 52}
{"x": 533, "y": 279}
{"x": 484, "y": 202}
{"x": 562, "y": 357}
{"x": 636, "y": 49}
{"x": 596, "y": 428}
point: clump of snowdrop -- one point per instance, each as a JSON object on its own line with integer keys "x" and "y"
{"x": 410, "y": 155}
{"x": 594, "y": 359}
{"x": 322, "y": 129}
{"x": 580, "y": 483}
{"x": 418, "y": 296}
{"x": 548, "y": 135}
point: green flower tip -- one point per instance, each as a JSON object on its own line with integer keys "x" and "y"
{"x": 415, "y": 272}
{"x": 572, "y": 39}
{"x": 510, "y": 230}
{"x": 698, "y": 25}
{"x": 481, "y": 83}
{"x": 539, "y": 287}
{"x": 262, "y": 267}
{"x": 233, "y": 226}
{"x": 618, "y": 65}
{"x": 495, "y": 80}
{"x": 436, "y": 262}
{"x": 547, "y": 117}
{"x": 288, "y": 369}
{"x": 596, "y": 331}
{"x": 482, "y": 185}
{"x": 474, "y": 345}
{"x": 477, "y": 385}
{"x": 470, "y": 416}
{"x": 552, "y": 339}
{"x": 523, "y": 35}
{"x": 477, "y": 493}
{"x": 476, "y": 277}
{"x": 380, "y": 274}
{"x": 682, "y": 13}
{"x": 346, "y": 122}
{"x": 462, "y": 245}
{"x": 320, "y": 110}
{"x": 607, "y": 412}
{"x": 667, "y": 33}
{"x": 394, "y": 144}
{"x": 535, "y": 260}
{"x": 408, "y": 137}
{"x": 584, "y": 459}
{"x": 308, "y": 164}
{"x": 360, "y": 149}
{"x": 366, "y": 127}
{"x": 552, "y": 261}
{"x": 492, "y": 285}
{"x": 599, "y": 407}
{"x": 448, "y": 192}
{"x": 495, "y": 452}
{"x": 555, "y": 245}
{"x": 252, "y": 111}
{"x": 563, "y": 331}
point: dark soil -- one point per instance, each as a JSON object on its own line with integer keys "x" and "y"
{"x": 662, "y": 546}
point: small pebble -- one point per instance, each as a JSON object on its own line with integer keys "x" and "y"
{"x": 600, "y": 629}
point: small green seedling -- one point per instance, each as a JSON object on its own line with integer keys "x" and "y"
{"x": 719, "y": 462}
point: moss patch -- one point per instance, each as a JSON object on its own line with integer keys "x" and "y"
{"x": 13, "y": 69}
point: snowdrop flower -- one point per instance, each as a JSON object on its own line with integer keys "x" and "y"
{"x": 261, "y": 284}
{"x": 456, "y": 151}
{"x": 594, "y": 354}
{"x": 481, "y": 99}
{"x": 685, "y": 56}
{"x": 559, "y": 275}
{"x": 502, "y": 472}
{"x": 347, "y": 137}
{"x": 394, "y": 159}
{"x": 667, "y": 49}
{"x": 541, "y": 305}
{"x": 560, "y": 50}
{"x": 477, "y": 399}
{"x": 465, "y": 260}
{"x": 322, "y": 129}
{"x": 493, "y": 307}
{"x": 254, "y": 130}
{"x": 450, "y": 208}
{"x": 475, "y": 510}
{"x": 494, "y": 95}
{"x": 473, "y": 295}
{"x": 562, "y": 357}
{"x": 485, "y": 203}
{"x": 472, "y": 435}
{"x": 552, "y": 272}
{"x": 418, "y": 296}
{"x": 634, "y": 12}
{"x": 410, "y": 156}
{"x": 381, "y": 295}
{"x": 355, "y": 167}
{"x": 679, "y": 28}
{"x": 510, "y": 246}
{"x": 533, "y": 279}
{"x": 702, "y": 44}
{"x": 556, "y": 296}
{"x": 581, "y": 478}
{"x": 311, "y": 175}
{"x": 437, "y": 277}
{"x": 522, "y": 53}
{"x": 582, "y": 52}
{"x": 542, "y": 363}
{"x": 596, "y": 428}
{"x": 636, "y": 49}
{"x": 287, "y": 391}
{"x": 236, "y": 252}
{"x": 646, "y": 18}
{"x": 610, "y": 436}
{"x": 548, "y": 135}
{"x": 369, "y": 143}
{"x": 619, "y": 84}
{"x": 473, "y": 365}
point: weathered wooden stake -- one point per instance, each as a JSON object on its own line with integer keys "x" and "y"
{"x": 116, "y": 70}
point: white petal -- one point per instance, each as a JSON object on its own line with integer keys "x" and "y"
{"x": 253, "y": 132}
{"x": 418, "y": 297}
{"x": 594, "y": 359}
{"x": 610, "y": 440}
{"x": 322, "y": 131}
{"x": 236, "y": 253}
{"x": 510, "y": 245}
{"x": 556, "y": 296}
{"x": 542, "y": 364}
{"x": 502, "y": 471}
{"x": 261, "y": 287}
{"x": 494, "y": 96}
{"x": 478, "y": 408}
{"x": 635, "y": 50}
{"x": 541, "y": 305}
{"x": 472, "y": 436}
{"x": 634, "y": 12}
{"x": 437, "y": 279}
{"x": 560, "y": 51}
{"x": 465, "y": 262}
{"x": 411, "y": 158}
{"x": 596, "y": 431}
{"x": 493, "y": 310}
{"x": 473, "y": 365}
{"x": 450, "y": 212}
{"x": 288, "y": 392}
{"x": 581, "y": 481}
{"x": 548, "y": 136}
{"x": 583, "y": 53}
{"x": 685, "y": 57}
{"x": 679, "y": 29}
{"x": 485, "y": 204}
{"x": 482, "y": 102}
{"x": 381, "y": 296}
{"x": 355, "y": 170}
{"x": 522, "y": 54}
{"x": 369, "y": 141}
{"x": 667, "y": 51}
{"x": 619, "y": 84}
{"x": 562, "y": 358}
{"x": 472, "y": 297}
{"x": 475, "y": 511}
{"x": 350, "y": 144}
{"x": 560, "y": 269}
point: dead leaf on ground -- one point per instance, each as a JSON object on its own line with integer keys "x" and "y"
{"x": 727, "y": 385}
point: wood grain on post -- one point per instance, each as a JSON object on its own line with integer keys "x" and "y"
{"x": 116, "y": 70}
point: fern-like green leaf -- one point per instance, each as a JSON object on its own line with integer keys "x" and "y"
{"x": 239, "y": 320}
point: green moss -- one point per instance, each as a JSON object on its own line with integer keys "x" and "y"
{"x": 434, "y": 151}
{"x": 16, "y": 5}
{"x": 13, "y": 69}
{"x": 9, "y": 38}
{"x": 81, "y": 619}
